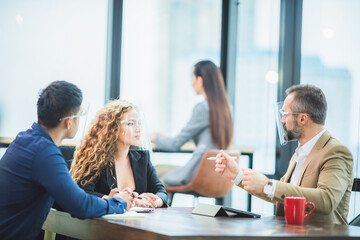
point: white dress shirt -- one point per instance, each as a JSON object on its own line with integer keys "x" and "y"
{"x": 301, "y": 154}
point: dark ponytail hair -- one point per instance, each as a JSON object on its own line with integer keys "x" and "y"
{"x": 221, "y": 123}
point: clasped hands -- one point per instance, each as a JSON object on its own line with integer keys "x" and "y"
{"x": 133, "y": 199}
{"x": 252, "y": 181}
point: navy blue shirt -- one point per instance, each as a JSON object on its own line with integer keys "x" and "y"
{"x": 33, "y": 173}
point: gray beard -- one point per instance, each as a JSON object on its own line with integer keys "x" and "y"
{"x": 292, "y": 135}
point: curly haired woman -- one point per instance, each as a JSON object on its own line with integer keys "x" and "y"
{"x": 105, "y": 162}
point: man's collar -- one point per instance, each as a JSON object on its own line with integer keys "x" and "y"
{"x": 306, "y": 148}
{"x": 37, "y": 127}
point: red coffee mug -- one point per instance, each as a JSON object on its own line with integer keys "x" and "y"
{"x": 295, "y": 209}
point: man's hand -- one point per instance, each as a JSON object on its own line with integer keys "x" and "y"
{"x": 111, "y": 194}
{"x": 226, "y": 166}
{"x": 126, "y": 194}
{"x": 254, "y": 181}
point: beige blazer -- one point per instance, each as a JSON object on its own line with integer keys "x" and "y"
{"x": 325, "y": 179}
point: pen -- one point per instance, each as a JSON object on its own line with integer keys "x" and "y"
{"x": 131, "y": 195}
{"x": 214, "y": 158}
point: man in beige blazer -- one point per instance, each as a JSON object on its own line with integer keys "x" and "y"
{"x": 320, "y": 170}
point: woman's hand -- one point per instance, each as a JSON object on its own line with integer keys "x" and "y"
{"x": 143, "y": 203}
{"x": 148, "y": 200}
{"x": 111, "y": 194}
{"x": 154, "y": 135}
{"x": 158, "y": 201}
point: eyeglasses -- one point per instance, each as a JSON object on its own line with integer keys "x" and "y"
{"x": 283, "y": 113}
{"x": 83, "y": 113}
{"x": 131, "y": 122}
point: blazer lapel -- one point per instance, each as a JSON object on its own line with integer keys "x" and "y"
{"x": 137, "y": 169}
{"x": 317, "y": 147}
{"x": 109, "y": 178}
{"x": 290, "y": 168}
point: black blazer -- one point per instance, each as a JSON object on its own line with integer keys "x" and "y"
{"x": 145, "y": 177}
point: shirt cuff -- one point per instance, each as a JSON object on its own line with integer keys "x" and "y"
{"x": 272, "y": 194}
{"x": 116, "y": 205}
{"x": 238, "y": 178}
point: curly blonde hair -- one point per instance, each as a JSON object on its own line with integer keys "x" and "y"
{"x": 99, "y": 146}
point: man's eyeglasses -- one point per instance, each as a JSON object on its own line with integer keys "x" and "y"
{"x": 283, "y": 113}
{"x": 82, "y": 113}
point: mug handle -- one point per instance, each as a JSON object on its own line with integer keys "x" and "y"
{"x": 312, "y": 209}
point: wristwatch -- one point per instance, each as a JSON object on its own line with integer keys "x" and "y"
{"x": 268, "y": 188}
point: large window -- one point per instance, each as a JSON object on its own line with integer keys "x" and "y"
{"x": 256, "y": 88}
{"x": 330, "y": 60}
{"x": 162, "y": 40}
{"x": 42, "y": 41}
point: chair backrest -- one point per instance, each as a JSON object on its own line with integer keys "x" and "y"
{"x": 209, "y": 183}
{"x": 68, "y": 153}
{"x": 356, "y": 188}
{"x": 356, "y": 185}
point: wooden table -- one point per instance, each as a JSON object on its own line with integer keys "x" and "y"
{"x": 179, "y": 223}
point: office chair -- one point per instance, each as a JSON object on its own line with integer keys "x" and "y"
{"x": 356, "y": 188}
{"x": 206, "y": 182}
{"x": 68, "y": 153}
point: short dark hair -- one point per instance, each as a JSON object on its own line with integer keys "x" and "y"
{"x": 59, "y": 99}
{"x": 309, "y": 99}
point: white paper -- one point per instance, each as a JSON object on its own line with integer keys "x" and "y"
{"x": 129, "y": 214}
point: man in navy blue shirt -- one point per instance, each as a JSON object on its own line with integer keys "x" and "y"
{"x": 33, "y": 172}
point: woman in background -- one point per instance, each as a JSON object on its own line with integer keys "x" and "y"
{"x": 107, "y": 161}
{"x": 210, "y": 125}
